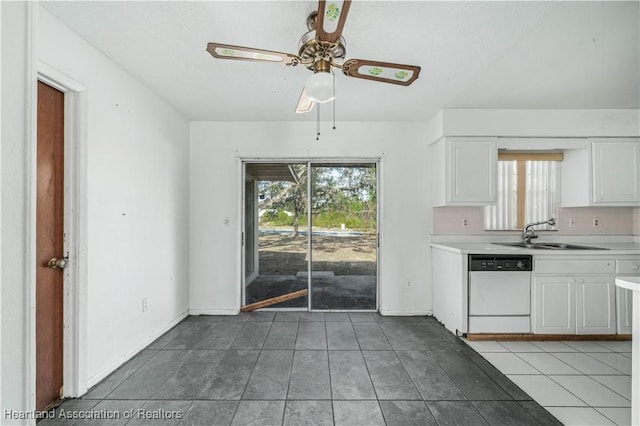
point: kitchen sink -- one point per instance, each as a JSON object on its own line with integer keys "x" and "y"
{"x": 551, "y": 246}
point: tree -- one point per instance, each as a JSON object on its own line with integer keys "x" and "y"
{"x": 337, "y": 192}
{"x": 287, "y": 195}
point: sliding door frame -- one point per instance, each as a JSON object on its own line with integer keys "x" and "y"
{"x": 309, "y": 162}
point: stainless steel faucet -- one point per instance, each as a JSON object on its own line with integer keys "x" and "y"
{"x": 528, "y": 233}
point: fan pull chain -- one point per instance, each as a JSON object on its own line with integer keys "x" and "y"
{"x": 334, "y": 101}
{"x": 318, "y": 122}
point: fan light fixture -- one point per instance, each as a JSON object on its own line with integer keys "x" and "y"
{"x": 319, "y": 87}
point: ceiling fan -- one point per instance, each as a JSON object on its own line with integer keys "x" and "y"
{"x": 321, "y": 49}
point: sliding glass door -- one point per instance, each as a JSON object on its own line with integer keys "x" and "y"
{"x": 344, "y": 237}
{"x": 302, "y": 218}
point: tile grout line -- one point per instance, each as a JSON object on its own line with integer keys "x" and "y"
{"x": 589, "y": 354}
{"x": 333, "y": 409}
{"x": 605, "y": 416}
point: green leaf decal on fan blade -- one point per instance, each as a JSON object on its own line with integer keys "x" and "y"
{"x": 332, "y": 12}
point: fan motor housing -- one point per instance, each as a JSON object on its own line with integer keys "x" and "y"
{"x": 311, "y": 50}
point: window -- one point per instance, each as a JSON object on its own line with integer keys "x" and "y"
{"x": 528, "y": 190}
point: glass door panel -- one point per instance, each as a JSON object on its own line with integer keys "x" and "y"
{"x": 344, "y": 237}
{"x": 276, "y": 244}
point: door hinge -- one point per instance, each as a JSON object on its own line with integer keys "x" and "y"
{"x": 378, "y": 240}
{"x": 242, "y": 239}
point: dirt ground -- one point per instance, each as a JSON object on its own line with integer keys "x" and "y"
{"x": 344, "y": 255}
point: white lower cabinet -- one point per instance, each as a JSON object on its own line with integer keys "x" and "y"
{"x": 575, "y": 305}
{"x": 595, "y": 305}
{"x": 568, "y": 302}
{"x": 555, "y": 305}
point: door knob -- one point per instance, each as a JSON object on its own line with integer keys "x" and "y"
{"x": 56, "y": 263}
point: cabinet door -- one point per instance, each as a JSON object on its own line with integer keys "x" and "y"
{"x": 555, "y": 305}
{"x": 472, "y": 171}
{"x": 624, "y": 305}
{"x": 595, "y": 305}
{"x": 616, "y": 174}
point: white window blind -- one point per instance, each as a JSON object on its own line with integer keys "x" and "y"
{"x": 541, "y": 197}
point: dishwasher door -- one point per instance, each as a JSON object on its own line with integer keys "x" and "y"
{"x": 499, "y": 302}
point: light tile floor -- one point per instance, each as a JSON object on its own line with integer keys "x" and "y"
{"x": 581, "y": 383}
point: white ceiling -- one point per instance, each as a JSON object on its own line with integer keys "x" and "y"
{"x": 559, "y": 55}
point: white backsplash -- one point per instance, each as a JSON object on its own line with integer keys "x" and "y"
{"x": 611, "y": 221}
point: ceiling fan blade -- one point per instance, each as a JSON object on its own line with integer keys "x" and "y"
{"x": 228, "y": 51}
{"x": 305, "y": 104}
{"x": 330, "y": 20}
{"x": 385, "y": 72}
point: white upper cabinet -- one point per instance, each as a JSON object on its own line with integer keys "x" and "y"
{"x": 464, "y": 171}
{"x": 616, "y": 177}
{"x": 605, "y": 174}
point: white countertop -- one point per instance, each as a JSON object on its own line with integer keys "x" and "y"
{"x": 490, "y": 248}
{"x": 630, "y": 283}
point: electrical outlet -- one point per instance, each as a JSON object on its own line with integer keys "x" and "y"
{"x": 596, "y": 222}
{"x": 145, "y": 304}
{"x": 408, "y": 284}
{"x": 572, "y": 222}
{"x": 465, "y": 223}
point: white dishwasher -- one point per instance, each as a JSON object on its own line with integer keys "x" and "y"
{"x": 499, "y": 293}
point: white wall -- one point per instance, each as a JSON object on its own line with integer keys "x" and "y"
{"x": 137, "y": 152}
{"x": 13, "y": 227}
{"x": 134, "y": 166}
{"x": 216, "y": 150}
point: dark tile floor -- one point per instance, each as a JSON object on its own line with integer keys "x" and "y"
{"x": 299, "y": 368}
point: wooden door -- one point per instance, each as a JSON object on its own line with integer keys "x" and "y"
{"x": 49, "y": 244}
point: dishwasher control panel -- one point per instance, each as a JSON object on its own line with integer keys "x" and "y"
{"x": 483, "y": 262}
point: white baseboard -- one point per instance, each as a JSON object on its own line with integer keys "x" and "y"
{"x": 212, "y": 311}
{"x": 94, "y": 380}
{"x": 425, "y": 312}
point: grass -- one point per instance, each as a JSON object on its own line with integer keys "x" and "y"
{"x": 361, "y": 220}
